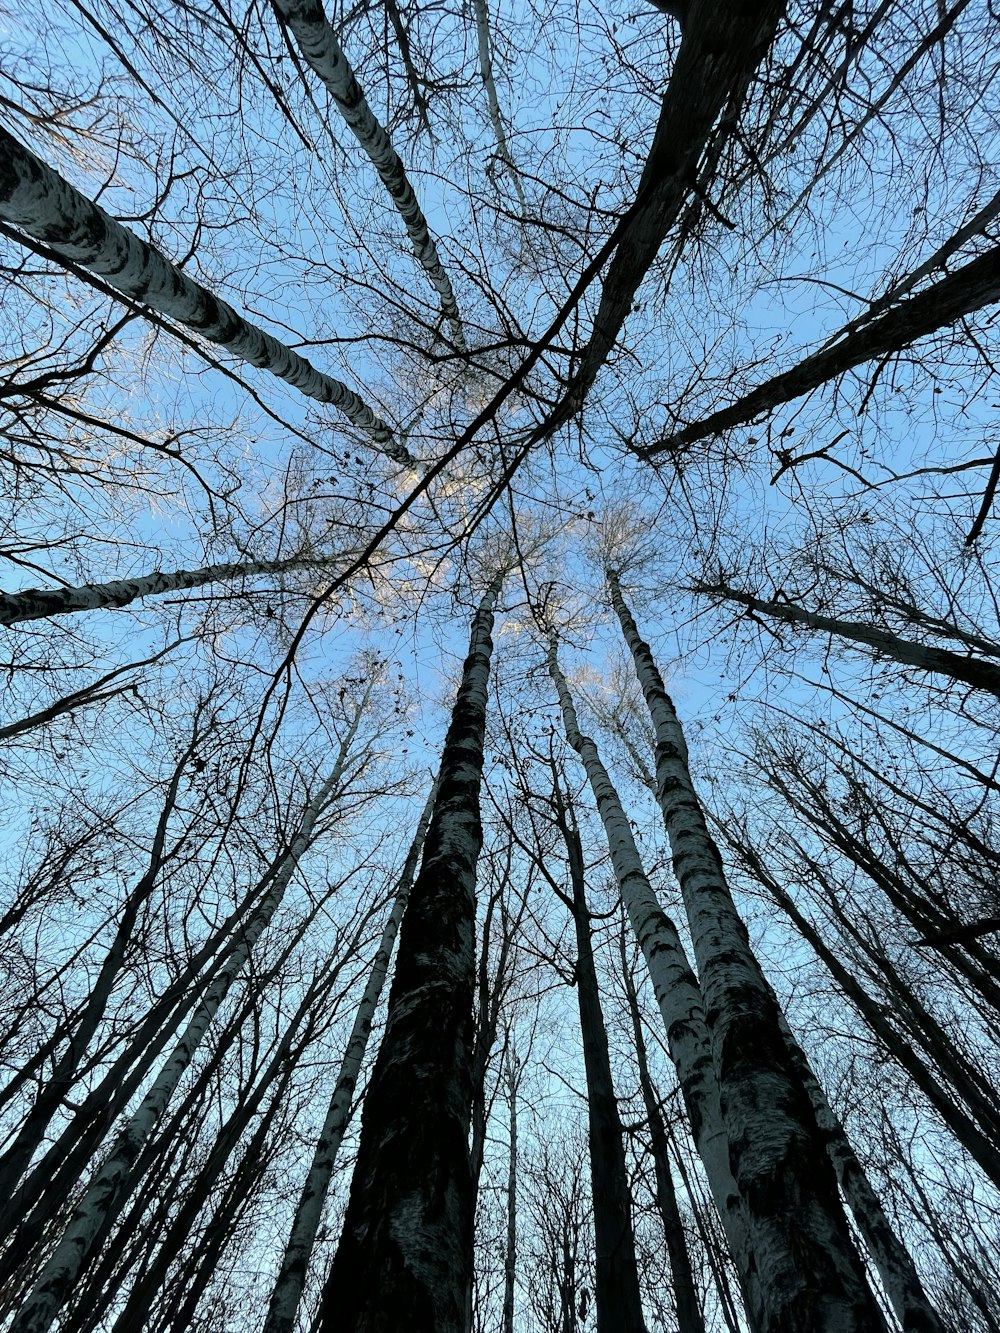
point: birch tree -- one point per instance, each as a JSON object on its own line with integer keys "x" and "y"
{"x": 39, "y": 603}
{"x": 38, "y": 202}
{"x": 104, "y": 1195}
{"x": 675, "y": 986}
{"x": 407, "y": 1238}
{"x": 291, "y": 1276}
{"x": 793, "y": 1264}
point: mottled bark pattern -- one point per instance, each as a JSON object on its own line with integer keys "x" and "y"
{"x": 36, "y": 200}
{"x": 674, "y": 984}
{"x": 806, "y": 1271}
{"x": 406, "y": 1248}
{"x": 318, "y": 43}
{"x": 964, "y": 292}
{"x": 39, "y": 603}
{"x": 689, "y": 1317}
{"x": 895, "y": 1267}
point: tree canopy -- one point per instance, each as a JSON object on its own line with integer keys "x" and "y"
{"x": 501, "y": 654}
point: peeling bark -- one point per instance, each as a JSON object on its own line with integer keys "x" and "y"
{"x": 408, "y": 1232}
{"x": 37, "y": 201}
{"x": 806, "y": 1270}
{"x": 319, "y": 45}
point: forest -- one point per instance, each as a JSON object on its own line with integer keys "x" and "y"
{"x": 499, "y": 666}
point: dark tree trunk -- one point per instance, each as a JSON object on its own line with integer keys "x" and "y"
{"x": 961, "y": 293}
{"x": 689, "y": 1317}
{"x": 407, "y": 1241}
{"x": 616, "y": 1274}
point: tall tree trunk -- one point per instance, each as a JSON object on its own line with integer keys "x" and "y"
{"x": 689, "y": 1316}
{"x": 721, "y": 47}
{"x": 946, "y": 301}
{"x": 895, "y": 1267}
{"x": 408, "y": 1232}
{"x": 483, "y": 45}
{"x": 318, "y": 43}
{"x": 616, "y": 1274}
{"x": 674, "y": 984}
{"x": 807, "y": 1272}
{"x": 110, "y": 1186}
{"x": 62, "y": 1076}
{"x": 510, "y": 1245}
{"x": 974, "y": 671}
{"x": 40, "y": 603}
{"x": 175, "y": 1226}
{"x": 287, "y": 1291}
{"x": 37, "y": 201}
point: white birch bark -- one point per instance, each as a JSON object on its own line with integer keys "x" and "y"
{"x": 36, "y": 200}
{"x": 674, "y": 984}
{"x": 39, "y": 603}
{"x": 806, "y": 1271}
{"x": 972, "y": 671}
{"x": 109, "y": 1188}
{"x": 489, "y": 83}
{"x": 895, "y": 1267}
{"x": 407, "y": 1241}
{"x": 318, "y": 43}
{"x": 287, "y": 1291}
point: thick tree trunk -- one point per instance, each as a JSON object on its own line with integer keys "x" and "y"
{"x": 974, "y": 671}
{"x": 110, "y": 1186}
{"x": 318, "y": 43}
{"x": 616, "y": 1274}
{"x": 37, "y": 201}
{"x": 408, "y": 1233}
{"x": 961, "y": 293}
{"x": 674, "y": 985}
{"x": 807, "y": 1272}
{"x": 287, "y": 1291}
{"x": 722, "y": 45}
{"x": 895, "y": 1267}
{"x": 40, "y": 603}
{"x": 689, "y": 1316}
